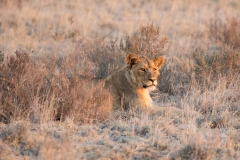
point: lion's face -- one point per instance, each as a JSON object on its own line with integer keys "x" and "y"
{"x": 144, "y": 72}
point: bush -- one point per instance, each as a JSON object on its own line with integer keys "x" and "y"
{"x": 145, "y": 42}
{"x": 173, "y": 80}
{"x": 225, "y": 34}
{"x": 105, "y": 58}
{"x": 209, "y": 68}
{"x": 14, "y": 90}
{"x": 50, "y": 88}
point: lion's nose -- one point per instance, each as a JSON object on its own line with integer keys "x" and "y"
{"x": 152, "y": 79}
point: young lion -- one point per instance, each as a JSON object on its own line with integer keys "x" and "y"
{"x": 130, "y": 85}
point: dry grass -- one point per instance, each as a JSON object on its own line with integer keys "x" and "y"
{"x": 53, "y": 55}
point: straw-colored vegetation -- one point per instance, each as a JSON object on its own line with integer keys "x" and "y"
{"x": 54, "y": 53}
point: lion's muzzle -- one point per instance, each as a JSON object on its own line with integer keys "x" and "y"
{"x": 150, "y": 83}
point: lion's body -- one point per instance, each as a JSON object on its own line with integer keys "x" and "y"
{"x": 130, "y": 84}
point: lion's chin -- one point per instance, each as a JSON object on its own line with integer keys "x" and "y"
{"x": 153, "y": 87}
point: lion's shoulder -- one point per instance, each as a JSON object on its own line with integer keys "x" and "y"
{"x": 116, "y": 77}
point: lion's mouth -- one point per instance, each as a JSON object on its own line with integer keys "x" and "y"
{"x": 146, "y": 86}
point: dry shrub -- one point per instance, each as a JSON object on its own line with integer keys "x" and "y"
{"x": 15, "y": 96}
{"x": 73, "y": 92}
{"x": 209, "y": 68}
{"x": 50, "y": 88}
{"x": 173, "y": 80}
{"x": 146, "y": 41}
{"x": 104, "y": 57}
{"x": 225, "y": 34}
{"x": 85, "y": 101}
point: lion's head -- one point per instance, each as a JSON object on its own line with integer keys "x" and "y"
{"x": 143, "y": 71}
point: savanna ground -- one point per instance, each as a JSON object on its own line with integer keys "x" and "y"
{"x": 53, "y": 52}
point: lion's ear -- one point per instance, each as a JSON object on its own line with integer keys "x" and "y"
{"x": 159, "y": 62}
{"x": 132, "y": 59}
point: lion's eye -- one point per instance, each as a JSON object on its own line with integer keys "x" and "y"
{"x": 143, "y": 69}
{"x": 154, "y": 69}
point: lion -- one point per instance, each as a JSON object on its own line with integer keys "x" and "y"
{"x": 130, "y": 85}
